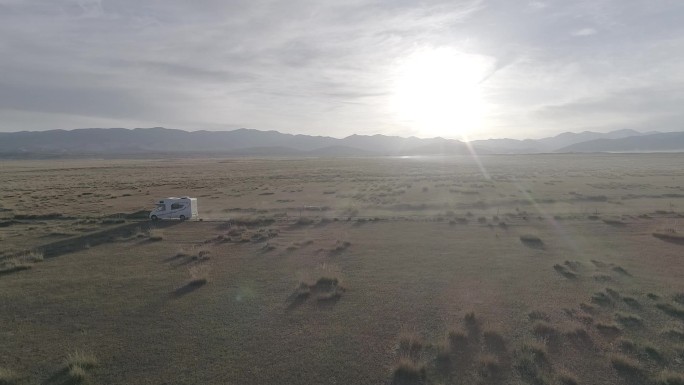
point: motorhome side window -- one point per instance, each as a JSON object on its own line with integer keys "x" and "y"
{"x": 175, "y": 206}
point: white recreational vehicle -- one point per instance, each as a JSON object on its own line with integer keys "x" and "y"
{"x": 175, "y": 208}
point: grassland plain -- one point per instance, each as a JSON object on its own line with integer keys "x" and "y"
{"x": 519, "y": 270}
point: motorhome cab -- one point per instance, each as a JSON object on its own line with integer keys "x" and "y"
{"x": 175, "y": 208}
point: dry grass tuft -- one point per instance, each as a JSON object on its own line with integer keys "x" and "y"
{"x": 76, "y": 374}
{"x": 82, "y": 359}
{"x": 330, "y": 296}
{"x": 670, "y": 236}
{"x": 12, "y": 266}
{"x": 671, "y": 310}
{"x": 489, "y": 366}
{"x": 621, "y": 270}
{"x": 652, "y": 353}
{"x": 670, "y": 378}
{"x": 470, "y": 318}
{"x": 494, "y": 341}
{"x": 674, "y": 334}
{"x": 627, "y": 367}
{"x": 155, "y": 235}
{"x": 538, "y": 316}
{"x": 545, "y": 330}
{"x": 410, "y": 346}
{"x": 531, "y": 241}
{"x": 562, "y": 270}
{"x": 566, "y": 378}
{"x": 609, "y": 330}
{"x": 631, "y": 302}
{"x": 199, "y": 273}
{"x": 587, "y": 307}
{"x": 629, "y": 320}
{"x": 33, "y": 256}
{"x": 458, "y": 342}
{"x": 602, "y": 299}
{"x": 340, "y": 246}
{"x": 537, "y": 351}
{"x": 532, "y": 364}
{"x": 602, "y": 277}
{"x": 679, "y": 298}
{"x": 408, "y": 372}
{"x": 613, "y": 293}
{"x": 326, "y": 289}
{"x": 21, "y": 262}
{"x": 8, "y": 377}
{"x": 579, "y": 336}
{"x": 302, "y": 292}
{"x": 626, "y": 345}
{"x": 326, "y": 283}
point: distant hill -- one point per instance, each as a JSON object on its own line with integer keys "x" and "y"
{"x": 241, "y": 142}
{"x": 660, "y": 142}
{"x": 158, "y": 141}
{"x": 550, "y": 144}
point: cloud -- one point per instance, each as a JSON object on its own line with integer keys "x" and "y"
{"x": 584, "y": 32}
{"x": 320, "y": 67}
{"x": 640, "y": 108}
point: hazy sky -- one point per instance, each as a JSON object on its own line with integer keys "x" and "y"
{"x": 481, "y": 68}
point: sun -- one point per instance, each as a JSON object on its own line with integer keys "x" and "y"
{"x": 437, "y": 92}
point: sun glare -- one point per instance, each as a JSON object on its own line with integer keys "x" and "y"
{"x": 437, "y": 92}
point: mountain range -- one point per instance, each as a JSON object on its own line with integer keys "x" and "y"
{"x": 249, "y": 142}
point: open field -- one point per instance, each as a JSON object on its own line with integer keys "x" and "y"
{"x": 547, "y": 269}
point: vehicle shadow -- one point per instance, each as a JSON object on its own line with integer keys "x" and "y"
{"x": 70, "y": 245}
